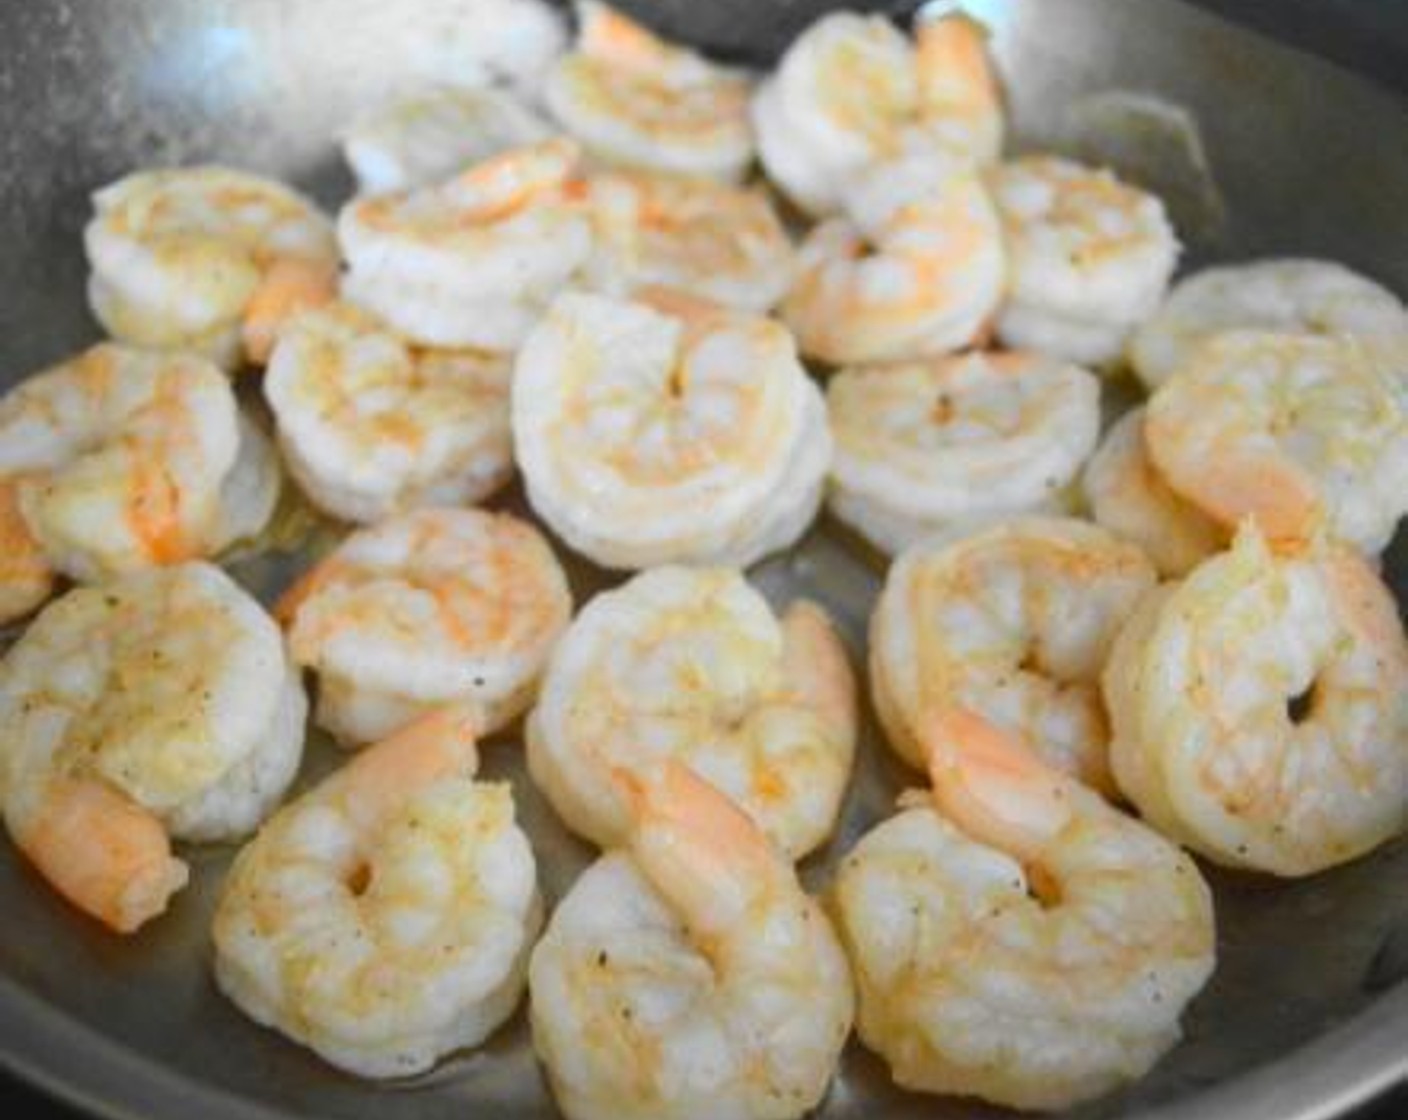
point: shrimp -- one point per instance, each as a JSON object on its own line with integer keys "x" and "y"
{"x": 154, "y": 706}
{"x": 424, "y": 609}
{"x": 1306, "y": 434}
{"x": 1013, "y": 621}
{"x": 669, "y": 433}
{"x": 634, "y": 100}
{"x": 1089, "y": 258}
{"x": 372, "y": 425}
{"x": 1012, "y": 936}
{"x": 26, "y": 577}
{"x": 915, "y": 271}
{"x": 852, "y": 91}
{"x": 121, "y": 456}
{"x": 250, "y": 493}
{"x": 921, "y": 446}
{"x": 1260, "y": 708}
{"x": 473, "y": 261}
{"x": 385, "y": 918}
{"x": 1128, "y": 496}
{"x": 691, "y": 664}
{"x": 181, "y": 257}
{"x": 1285, "y": 295}
{"x": 688, "y": 974}
{"x": 428, "y": 136}
{"x": 714, "y": 240}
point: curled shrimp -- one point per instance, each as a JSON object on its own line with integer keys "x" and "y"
{"x": 1284, "y": 295}
{"x": 667, "y": 432}
{"x": 915, "y": 270}
{"x": 691, "y": 664}
{"x": 154, "y": 706}
{"x": 424, "y": 609}
{"x": 205, "y": 259}
{"x": 426, "y": 137}
{"x": 688, "y": 974}
{"x": 1129, "y": 496}
{"x": 1015, "y": 622}
{"x": 1303, "y": 433}
{"x": 634, "y": 100}
{"x": 26, "y": 577}
{"x": 384, "y": 918}
{"x": 1260, "y": 708}
{"x": 1012, "y": 936}
{"x": 372, "y": 425}
{"x": 473, "y": 261}
{"x": 1089, "y": 257}
{"x": 123, "y": 457}
{"x": 921, "y": 446}
{"x": 852, "y": 91}
{"x": 714, "y": 240}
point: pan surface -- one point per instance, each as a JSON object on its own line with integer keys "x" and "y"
{"x": 1281, "y": 153}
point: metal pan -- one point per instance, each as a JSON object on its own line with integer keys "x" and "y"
{"x": 1290, "y": 155}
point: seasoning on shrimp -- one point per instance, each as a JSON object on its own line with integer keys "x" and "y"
{"x": 427, "y": 608}
{"x": 159, "y": 705}
{"x": 1289, "y": 295}
{"x": 921, "y": 446}
{"x": 691, "y": 664}
{"x": 667, "y": 432}
{"x": 688, "y": 974}
{"x": 1013, "y": 621}
{"x": 1089, "y": 258}
{"x": 384, "y": 918}
{"x": 473, "y": 261}
{"x": 205, "y": 259}
{"x": 1303, "y": 433}
{"x": 1013, "y": 937}
{"x": 852, "y": 91}
{"x": 1260, "y": 708}
{"x": 372, "y": 425}
{"x": 634, "y": 100}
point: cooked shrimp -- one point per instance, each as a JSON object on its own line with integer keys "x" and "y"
{"x": 1088, "y": 257}
{"x": 122, "y": 454}
{"x": 157, "y": 705}
{"x": 853, "y": 91}
{"x": 250, "y": 493}
{"x": 636, "y": 101}
{"x": 916, "y": 271}
{"x": 470, "y": 262}
{"x": 180, "y": 257}
{"x": 717, "y": 241}
{"x": 1284, "y": 295}
{"x": 1014, "y": 622}
{"x": 1129, "y": 496}
{"x": 424, "y": 609}
{"x": 682, "y": 434}
{"x": 426, "y": 137}
{"x": 691, "y": 664}
{"x": 1260, "y": 708}
{"x": 1302, "y": 433}
{"x": 384, "y": 918}
{"x": 26, "y": 578}
{"x": 1015, "y": 938}
{"x": 921, "y": 446}
{"x": 372, "y": 425}
{"x": 689, "y": 975}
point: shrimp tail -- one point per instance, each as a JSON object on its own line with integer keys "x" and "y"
{"x": 699, "y": 849}
{"x": 817, "y": 669}
{"x": 102, "y": 851}
{"x": 994, "y": 788}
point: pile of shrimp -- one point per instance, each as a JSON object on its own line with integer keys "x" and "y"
{"x": 606, "y": 325}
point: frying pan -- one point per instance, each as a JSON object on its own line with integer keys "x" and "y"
{"x": 1275, "y": 151}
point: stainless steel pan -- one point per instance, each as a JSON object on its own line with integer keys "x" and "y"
{"x": 1305, "y": 1015}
